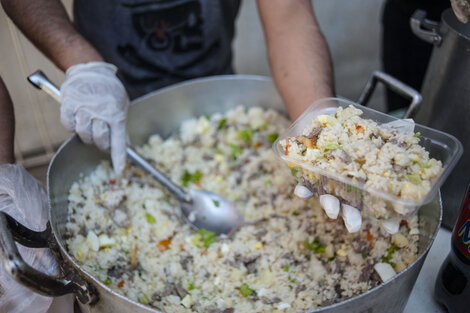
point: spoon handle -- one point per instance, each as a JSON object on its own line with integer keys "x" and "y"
{"x": 40, "y": 81}
{"x": 176, "y": 190}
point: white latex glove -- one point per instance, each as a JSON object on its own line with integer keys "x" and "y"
{"x": 24, "y": 198}
{"x": 94, "y": 105}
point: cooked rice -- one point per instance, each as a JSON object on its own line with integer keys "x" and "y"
{"x": 288, "y": 257}
{"x": 381, "y": 159}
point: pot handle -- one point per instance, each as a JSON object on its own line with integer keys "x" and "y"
{"x": 425, "y": 29}
{"x": 395, "y": 85}
{"x": 19, "y": 270}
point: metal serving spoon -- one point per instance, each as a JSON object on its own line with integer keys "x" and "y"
{"x": 201, "y": 208}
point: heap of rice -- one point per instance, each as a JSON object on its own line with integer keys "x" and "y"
{"x": 287, "y": 257}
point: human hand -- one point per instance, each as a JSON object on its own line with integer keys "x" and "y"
{"x": 461, "y": 9}
{"x": 94, "y": 105}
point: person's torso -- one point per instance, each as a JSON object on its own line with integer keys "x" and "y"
{"x": 155, "y": 43}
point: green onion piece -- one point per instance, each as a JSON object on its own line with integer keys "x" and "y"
{"x": 304, "y": 151}
{"x": 295, "y": 213}
{"x": 150, "y": 218}
{"x": 286, "y": 268}
{"x": 191, "y": 178}
{"x": 417, "y": 134}
{"x": 216, "y": 203}
{"x": 245, "y": 290}
{"x": 414, "y": 178}
{"x": 388, "y": 257}
{"x": 330, "y": 146}
{"x": 272, "y": 137}
{"x": 203, "y": 238}
{"x": 294, "y": 171}
{"x": 144, "y": 299}
{"x": 246, "y": 135}
{"x": 268, "y": 181}
{"x": 316, "y": 246}
{"x": 207, "y": 116}
{"x": 222, "y": 123}
{"x": 423, "y": 165}
{"x": 190, "y": 286}
{"x": 107, "y": 281}
{"x": 236, "y": 151}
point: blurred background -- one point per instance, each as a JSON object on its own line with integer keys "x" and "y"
{"x": 352, "y": 29}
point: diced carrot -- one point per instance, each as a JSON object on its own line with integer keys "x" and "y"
{"x": 164, "y": 245}
{"x": 287, "y": 147}
{"x": 312, "y": 146}
{"x": 112, "y": 181}
{"x": 120, "y": 284}
{"x": 358, "y": 127}
{"x": 369, "y": 236}
{"x": 181, "y": 247}
{"x": 258, "y": 145}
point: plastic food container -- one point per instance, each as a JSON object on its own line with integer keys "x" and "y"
{"x": 441, "y": 146}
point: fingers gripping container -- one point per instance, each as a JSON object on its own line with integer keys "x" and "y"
{"x": 356, "y": 192}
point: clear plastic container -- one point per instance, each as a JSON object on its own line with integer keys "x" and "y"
{"x": 441, "y": 146}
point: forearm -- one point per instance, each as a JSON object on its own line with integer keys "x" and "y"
{"x": 7, "y": 126}
{"x": 46, "y": 24}
{"x": 297, "y": 52}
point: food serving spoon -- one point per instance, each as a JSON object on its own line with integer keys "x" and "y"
{"x": 201, "y": 208}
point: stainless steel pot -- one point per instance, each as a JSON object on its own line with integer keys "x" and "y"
{"x": 162, "y": 112}
{"x": 446, "y": 95}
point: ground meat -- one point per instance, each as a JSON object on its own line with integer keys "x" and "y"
{"x": 260, "y": 234}
{"x": 185, "y": 261}
{"x": 180, "y": 290}
{"x": 116, "y": 271}
{"x": 344, "y": 156}
{"x": 327, "y": 302}
{"x": 299, "y": 289}
{"x": 366, "y": 272}
{"x": 248, "y": 261}
{"x": 271, "y": 300}
{"x": 314, "y": 133}
{"x": 333, "y": 267}
{"x": 228, "y": 310}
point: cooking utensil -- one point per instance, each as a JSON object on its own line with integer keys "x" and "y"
{"x": 201, "y": 208}
{"x": 446, "y": 95}
{"x": 162, "y": 112}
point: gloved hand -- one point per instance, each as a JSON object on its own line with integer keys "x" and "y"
{"x": 94, "y": 105}
{"x": 461, "y": 9}
{"x": 24, "y": 198}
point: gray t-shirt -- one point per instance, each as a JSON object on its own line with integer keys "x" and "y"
{"x": 155, "y": 43}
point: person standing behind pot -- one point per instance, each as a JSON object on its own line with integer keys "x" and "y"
{"x": 144, "y": 45}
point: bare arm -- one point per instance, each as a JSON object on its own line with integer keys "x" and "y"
{"x": 298, "y": 54}
{"x": 46, "y": 24}
{"x": 7, "y": 126}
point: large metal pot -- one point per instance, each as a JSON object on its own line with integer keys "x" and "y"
{"x": 161, "y": 112}
{"x": 446, "y": 95}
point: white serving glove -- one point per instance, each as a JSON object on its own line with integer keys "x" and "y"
{"x": 94, "y": 105}
{"x": 24, "y": 198}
